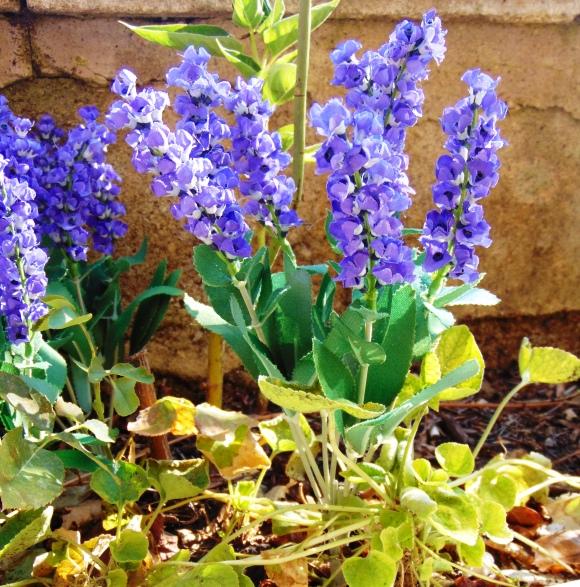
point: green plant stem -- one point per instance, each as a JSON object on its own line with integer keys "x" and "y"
{"x": 495, "y": 417}
{"x": 350, "y": 464}
{"x": 310, "y": 466}
{"x": 254, "y": 46}
{"x": 215, "y": 352}
{"x": 255, "y": 323}
{"x": 300, "y": 95}
{"x": 371, "y": 297}
{"x": 364, "y": 369}
{"x": 465, "y": 570}
{"x": 76, "y": 279}
{"x": 325, "y": 461}
{"x": 409, "y": 446}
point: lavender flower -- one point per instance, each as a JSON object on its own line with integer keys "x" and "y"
{"x": 465, "y": 176}
{"x": 78, "y": 191}
{"x": 22, "y": 278}
{"x": 190, "y": 162}
{"x": 259, "y": 159}
{"x": 364, "y": 148}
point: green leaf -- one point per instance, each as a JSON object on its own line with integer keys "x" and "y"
{"x": 418, "y": 502}
{"x": 295, "y": 319}
{"x": 275, "y": 15}
{"x": 335, "y": 379}
{"x": 24, "y": 465}
{"x": 151, "y": 312}
{"x": 305, "y": 402}
{"x": 475, "y": 296}
{"x": 122, "y": 483}
{"x": 494, "y": 522}
{"x": 279, "y": 83}
{"x": 21, "y": 532}
{"x": 247, "y": 14}
{"x": 495, "y": 487}
{"x": 100, "y": 430}
{"x": 96, "y": 370}
{"x": 278, "y": 434}
{"x": 181, "y": 36}
{"x": 75, "y": 459}
{"x": 243, "y": 63}
{"x": 376, "y": 569}
{"x": 473, "y": 555}
{"x": 57, "y": 370}
{"x": 211, "y": 266}
{"x": 131, "y": 546}
{"x": 117, "y": 578}
{"x": 121, "y": 324}
{"x": 547, "y": 364}
{"x": 284, "y": 33}
{"x": 207, "y": 317}
{"x": 367, "y": 353}
{"x": 362, "y": 433}
{"x": 130, "y": 372}
{"x": 456, "y": 346}
{"x": 212, "y": 575}
{"x": 455, "y": 459}
{"x": 125, "y": 400}
{"x": 386, "y": 380}
{"x": 287, "y": 136}
{"x": 456, "y": 517}
{"x": 179, "y": 479}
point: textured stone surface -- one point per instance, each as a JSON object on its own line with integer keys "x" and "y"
{"x": 15, "y": 61}
{"x": 9, "y": 5}
{"x": 532, "y": 264}
{"x": 511, "y": 10}
{"x": 93, "y": 50}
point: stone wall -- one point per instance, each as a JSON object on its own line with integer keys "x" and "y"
{"x": 56, "y": 55}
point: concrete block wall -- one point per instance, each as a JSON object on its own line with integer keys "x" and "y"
{"x": 57, "y": 55}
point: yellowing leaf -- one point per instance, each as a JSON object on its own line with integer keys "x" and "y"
{"x": 547, "y": 364}
{"x": 456, "y": 346}
{"x": 291, "y": 574}
{"x": 169, "y": 414}
{"x": 454, "y": 458}
{"x": 226, "y": 439}
{"x": 305, "y": 402}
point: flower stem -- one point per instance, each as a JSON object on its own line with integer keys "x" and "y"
{"x": 255, "y": 323}
{"x": 215, "y": 352}
{"x": 496, "y": 415}
{"x": 372, "y": 305}
{"x": 300, "y": 95}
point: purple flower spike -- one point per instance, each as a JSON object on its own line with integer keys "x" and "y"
{"x": 464, "y": 176}
{"x": 191, "y": 161}
{"x": 22, "y": 278}
{"x": 363, "y": 150}
{"x": 259, "y": 160}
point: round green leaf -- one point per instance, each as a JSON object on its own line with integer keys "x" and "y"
{"x": 130, "y": 547}
{"x": 122, "y": 483}
{"x": 454, "y": 458}
{"x": 417, "y": 501}
{"x": 377, "y": 569}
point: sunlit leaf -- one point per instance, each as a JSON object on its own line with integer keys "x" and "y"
{"x": 225, "y": 438}
{"x": 169, "y": 414}
{"x": 30, "y": 476}
{"x": 547, "y": 364}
